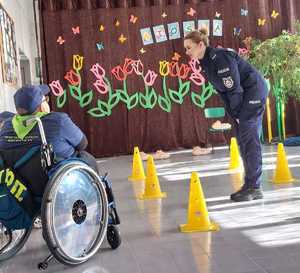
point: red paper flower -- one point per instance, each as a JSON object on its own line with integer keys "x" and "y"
{"x": 128, "y": 66}
{"x": 173, "y": 69}
{"x": 118, "y": 72}
{"x": 72, "y": 77}
{"x": 183, "y": 71}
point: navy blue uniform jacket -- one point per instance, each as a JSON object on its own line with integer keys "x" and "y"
{"x": 241, "y": 86}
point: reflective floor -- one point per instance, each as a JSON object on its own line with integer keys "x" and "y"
{"x": 255, "y": 237}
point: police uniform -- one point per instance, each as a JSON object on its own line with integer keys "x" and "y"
{"x": 244, "y": 92}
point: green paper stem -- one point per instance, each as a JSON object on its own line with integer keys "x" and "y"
{"x": 61, "y": 100}
{"x": 164, "y": 101}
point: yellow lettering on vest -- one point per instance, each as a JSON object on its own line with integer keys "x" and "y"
{"x": 21, "y": 189}
{"x": 15, "y": 186}
{"x": 9, "y": 179}
{"x": 1, "y": 173}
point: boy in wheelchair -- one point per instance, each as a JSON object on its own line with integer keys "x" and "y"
{"x": 20, "y": 135}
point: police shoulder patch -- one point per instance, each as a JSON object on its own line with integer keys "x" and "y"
{"x": 228, "y": 82}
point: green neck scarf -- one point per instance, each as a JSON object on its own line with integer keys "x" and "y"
{"x": 22, "y": 129}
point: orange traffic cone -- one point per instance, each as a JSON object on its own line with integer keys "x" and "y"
{"x": 235, "y": 161}
{"x": 152, "y": 187}
{"x": 282, "y": 172}
{"x": 137, "y": 167}
{"x": 197, "y": 219}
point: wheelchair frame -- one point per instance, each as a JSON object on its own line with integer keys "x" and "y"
{"x": 107, "y": 223}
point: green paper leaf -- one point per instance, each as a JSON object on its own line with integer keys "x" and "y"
{"x": 113, "y": 100}
{"x": 175, "y": 96}
{"x": 104, "y": 107}
{"x": 123, "y": 95}
{"x": 197, "y": 100}
{"x": 61, "y": 100}
{"x": 96, "y": 112}
{"x": 184, "y": 88}
{"x": 152, "y": 98}
{"x": 86, "y": 99}
{"x": 133, "y": 101}
{"x": 206, "y": 92}
{"x": 75, "y": 92}
{"x": 164, "y": 104}
{"x": 144, "y": 101}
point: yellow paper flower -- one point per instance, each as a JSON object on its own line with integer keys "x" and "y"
{"x": 163, "y": 68}
{"x": 77, "y": 62}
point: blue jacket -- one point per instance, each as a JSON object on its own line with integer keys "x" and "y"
{"x": 60, "y": 131}
{"x": 241, "y": 86}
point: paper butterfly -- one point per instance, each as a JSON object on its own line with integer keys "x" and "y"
{"x": 191, "y": 12}
{"x": 244, "y": 12}
{"x": 76, "y": 30}
{"x": 176, "y": 57}
{"x": 237, "y": 31}
{"x": 261, "y": 22}
{"x": 133, "y": 19}
{"x": 101, "y": 28}
{"x": 217, "y": 15}
{"x": 164, "y": 15}
{"x": 117, "y": 23}
{"x": 100, "y": 46}
{"x": 60, "y": 40}
{"x": 274, "y": 14}
{"x": 122, "y": 39}
{"x": 142, "y": 50}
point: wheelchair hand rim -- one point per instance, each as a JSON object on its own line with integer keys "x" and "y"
{"x": 54, "y": 243}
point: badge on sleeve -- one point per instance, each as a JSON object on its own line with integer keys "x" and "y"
{"x": 228, "y": 82}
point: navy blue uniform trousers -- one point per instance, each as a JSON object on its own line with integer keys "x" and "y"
{"x": 248, "y": 137}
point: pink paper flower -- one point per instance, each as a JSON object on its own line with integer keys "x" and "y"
{"x": 101, "y": 86}
{"x": 195, "y": 66}
{"x": 150, "y": 78}
{"x": 197, "y": 79}
{"x": 138, "y": 67}
{"x": 56, "y": 88}
{"x": 98, "y": 71}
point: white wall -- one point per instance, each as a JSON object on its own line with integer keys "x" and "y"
{"x": 21, "y": 12}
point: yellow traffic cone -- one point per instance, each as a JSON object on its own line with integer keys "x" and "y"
{"x": 137, "y": 167}
{"x": 198, "y": 219}
{"x": 152, "y": 187}
{"x": 282, "y": 172}
{"x": 235, "y": 161}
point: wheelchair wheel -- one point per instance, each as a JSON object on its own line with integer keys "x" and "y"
{"x": 113, "y": 236}
{"x": 74, "y": 213}
{"x": 11, "y": 242}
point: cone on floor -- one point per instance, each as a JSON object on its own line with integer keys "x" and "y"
{"x": 137, "y": 167}
{"x": 197, "y": 219}
{"x": 152, "y": 187}
{"x": 282, "y": 172}
{"x": 235, "y": 161}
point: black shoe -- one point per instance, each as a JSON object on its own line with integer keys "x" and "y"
{"x": 242, "y": 189}
{"x": 247, "y": 195}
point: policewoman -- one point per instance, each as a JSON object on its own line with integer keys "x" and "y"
{"x": 244, "y": 92}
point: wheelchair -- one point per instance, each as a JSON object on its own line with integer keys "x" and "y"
{"x": 76, "y": 205}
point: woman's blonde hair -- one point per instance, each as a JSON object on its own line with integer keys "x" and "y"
{"x": 198, "y": 36}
